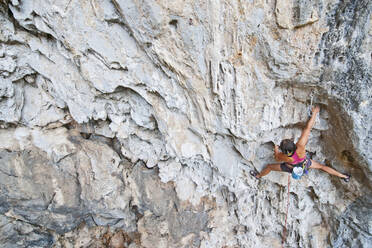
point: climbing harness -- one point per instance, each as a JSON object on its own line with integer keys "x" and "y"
{"x": 286, "y": 215}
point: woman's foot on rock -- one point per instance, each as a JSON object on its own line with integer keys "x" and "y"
{"x": 347, "y": 178}
{"x": 254, "y": 174}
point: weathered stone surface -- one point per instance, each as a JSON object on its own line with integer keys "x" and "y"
{"x": 60, "y": 184}
{"x": 15, "y": 233}
{"x": 165, "y": 220}
{"x": 354, "y": 227}
{"x": 147, "y": 116}
{"x": 296, "y": 13}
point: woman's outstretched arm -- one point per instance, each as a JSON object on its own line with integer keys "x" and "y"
{"x": 306, "y": 132}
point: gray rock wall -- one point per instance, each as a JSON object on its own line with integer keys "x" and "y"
{"x": 136, "y": 123}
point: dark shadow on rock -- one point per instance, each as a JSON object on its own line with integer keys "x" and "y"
{"x": 353, "y": 227}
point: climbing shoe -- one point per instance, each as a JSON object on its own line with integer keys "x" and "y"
{"x": 254, "y": 174}
{"x": 347, "y": 179}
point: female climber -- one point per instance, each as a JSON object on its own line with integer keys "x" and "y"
{"x": 293, "y": 156}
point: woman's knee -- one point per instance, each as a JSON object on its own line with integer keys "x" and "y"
{"x": 270, "y": 166}
{"x": 322, "y": 167}
{"x": 316, "y": 165}
{"x": 275, "y": 167}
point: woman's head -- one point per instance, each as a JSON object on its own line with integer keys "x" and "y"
{"x": 287, "y": 147}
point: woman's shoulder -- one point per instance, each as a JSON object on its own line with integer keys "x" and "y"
{"x": 300, "y": 150}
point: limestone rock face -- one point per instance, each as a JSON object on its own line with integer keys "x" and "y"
{"x": 127, "y": 123}
{"x": 295, "y": 13}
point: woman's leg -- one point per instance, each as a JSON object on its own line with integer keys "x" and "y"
{"x": 329, "y": 170}
{"x": 268, "y": 169}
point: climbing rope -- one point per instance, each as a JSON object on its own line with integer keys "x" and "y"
{"x": 286, "y": 214}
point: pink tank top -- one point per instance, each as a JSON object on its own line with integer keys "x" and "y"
{"x": 297, "y": 159}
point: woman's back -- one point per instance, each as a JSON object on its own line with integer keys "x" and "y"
{"x": 299, "y": 155}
